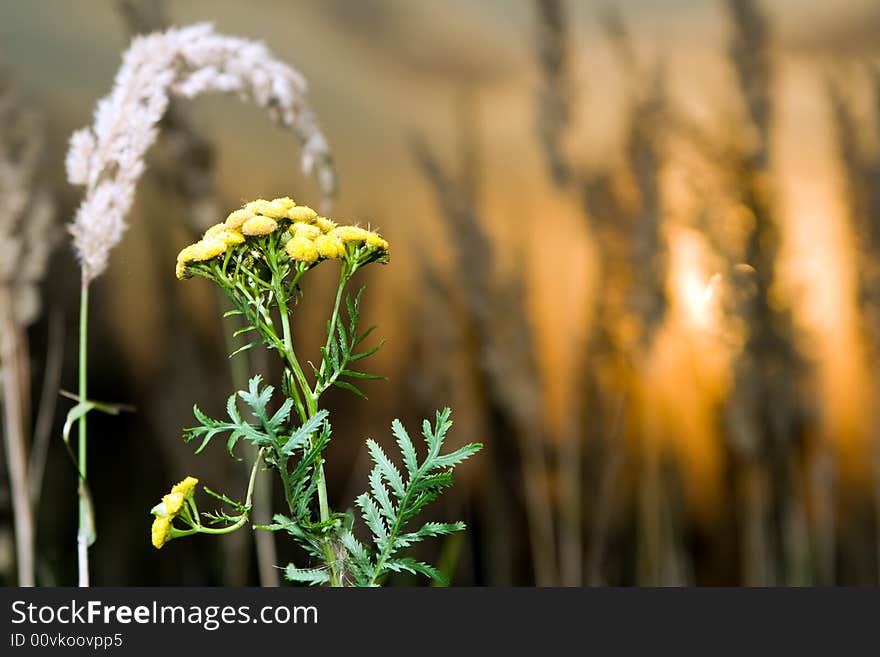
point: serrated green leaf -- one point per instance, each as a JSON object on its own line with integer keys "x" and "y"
{"x": 454, "y": 458}
{"x": 276, "y": 422}
{"x": 415, "y": 567}
{"x": 380, "y": 494}
{"x": 387, "y": 468}
{"x": 372, "y": 517}
{"x": 407, "y": 449}
{"x": 310, "y": 576}
{"x": 301, "y": 436}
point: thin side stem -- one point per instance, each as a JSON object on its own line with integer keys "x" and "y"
{"x": 82, "y": 539}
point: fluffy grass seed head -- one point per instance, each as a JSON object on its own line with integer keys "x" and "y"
{"x": 107, "y": 158}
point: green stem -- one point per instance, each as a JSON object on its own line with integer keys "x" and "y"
{"x": 311, "y": 409}
{"x": 82, "y": 539}
{"x": 334, "y": 318}
{"x": 243, "y": 518}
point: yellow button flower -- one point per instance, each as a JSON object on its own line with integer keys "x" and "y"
{"x": 225, "y": 234}
{"x": 173, "y": 502}
{"x": 276, "y": 208}
{"x": 259, "y": 225}
{"x": 351, "y": 233}
{"x": 237, "y": 218}
{"x": 160, "y": 531}
{"x": 329, "y": 246}
{"x": 185, "y": 487}
{"x": 302, "y": 213}
{"x": 309, "y": 231}
{"x": 301, "y": 249}
{"x": 325, "y": 224}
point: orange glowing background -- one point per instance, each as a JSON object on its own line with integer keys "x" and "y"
{"x": 382, "y": 72}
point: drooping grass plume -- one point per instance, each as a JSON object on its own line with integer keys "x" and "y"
{"x": 184, "y": 167}
{"x": 108, "y": 157}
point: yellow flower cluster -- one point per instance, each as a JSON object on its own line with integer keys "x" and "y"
{"x": 168, "y": 509}
{"x": 317, "y": 237}
{"x": 312, "y": 236}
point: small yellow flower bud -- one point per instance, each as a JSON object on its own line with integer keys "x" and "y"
{"x": 173, "y": 502}
{"x": 374, "y": 240}
{"x": 180, "y": 270}
{"x": 185, "y": 487}
{"x": 351, "y": 233}
{"x": 302, "y": 213}
{"x": 186, "y": 254}
{"x": 207, "y": 249}
{"x": 259, "y": 225}
{"x": 309, "y": 231}
{"x": 213, "y": 230}
{"x": 325, "y": 224}
{"x": 276, "y": 208}
{"x": 329, "y": 246}
{"x": 301, "y": 249}
{"x": 160, "y": 531}
{"x": 230, "y": 237}
{"x": 237, "y": 218}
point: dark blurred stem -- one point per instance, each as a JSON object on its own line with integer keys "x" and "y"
{"x": 650, "y": 504}
{"x": 754, "y": 545}
{"x": 605, "y": 499}
{"x": 82, "y": 537}
{"x": 16, "y": 448}
{"x": 877, "y": 497}
{"x": 46, "y": 409}
{"x": 571, "y": 544}
{"x": 824, "y": 536}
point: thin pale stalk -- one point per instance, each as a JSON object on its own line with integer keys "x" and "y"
{"x": 16, "y": 449}
{"x": 82, "y": 538}
{"x": 46, "y": 408}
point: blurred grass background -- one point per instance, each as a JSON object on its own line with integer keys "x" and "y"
{"x": 631, "y": 247}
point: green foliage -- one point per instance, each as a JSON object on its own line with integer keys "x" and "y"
{"x": 392, "y": 502}
{"x": 340, "y": 352}
{"x": 263, "y": 285}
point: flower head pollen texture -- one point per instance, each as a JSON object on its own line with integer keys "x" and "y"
{"x": 160, "y": 532}
{"x": 259, "y": 225}
{"x": 301, "y": 249}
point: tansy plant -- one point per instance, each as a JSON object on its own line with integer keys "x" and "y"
{"x": 258, "y": 256}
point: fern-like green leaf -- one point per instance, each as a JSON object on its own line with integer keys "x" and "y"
{"x": 387, "y": 468}
{"x": 310, "y": 576}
